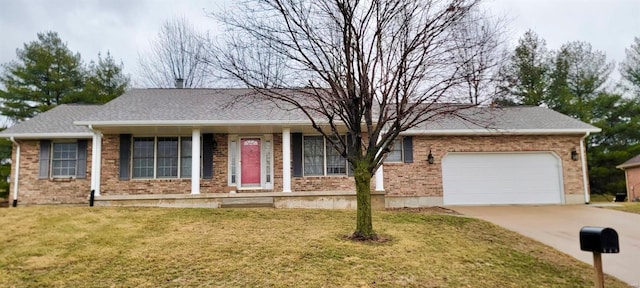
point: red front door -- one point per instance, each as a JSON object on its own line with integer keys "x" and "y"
{"x": 250, "y": 165}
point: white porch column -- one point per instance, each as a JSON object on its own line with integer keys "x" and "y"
{"x": 195, "y": 161}
{"x": 380, "y": 178}
{"x": 286, "y": 160}
{"x": 96, "y": 161}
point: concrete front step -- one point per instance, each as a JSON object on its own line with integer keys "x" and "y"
{"x": 249, "y": 202}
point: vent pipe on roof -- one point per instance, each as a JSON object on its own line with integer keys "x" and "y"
{"x": 179, "y": 83}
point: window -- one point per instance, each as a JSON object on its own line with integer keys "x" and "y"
{"x": 320, "y": 158}
{"x": 161, "y": 157}
{"x": 167, "y": 157}
{"x": 395, "y": 153}
{"x": 313, "y": 155}
{"x": 185, "y": 157}
{"x": 232, "y": 151}
{"x": 336, "y": 164}
{"x": 143, "y": 157}
{"x": 63, "y": 162}
{"x": 267, "y": 162}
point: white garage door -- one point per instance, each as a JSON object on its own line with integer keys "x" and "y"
{"x": 501, "y": 178}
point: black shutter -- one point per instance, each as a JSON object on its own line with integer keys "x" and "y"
{"x": 207, "y": 156}
{"x": 296, "y": 145}
{"x": 81, "y": 170}
{"x": 45, "y": 157}
{"x": 407, "y": 142}
{"x": 125, "y": 156}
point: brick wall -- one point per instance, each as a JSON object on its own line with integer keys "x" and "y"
{"x": 633, "y": 183}
{"x": 410, "y": 179}
{"x": 422, "y": 179}
{"x": 32, "y": 190}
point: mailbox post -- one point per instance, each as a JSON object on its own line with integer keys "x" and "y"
{"x": 599, "y": 240}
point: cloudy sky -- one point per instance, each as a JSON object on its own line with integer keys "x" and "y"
{"x": 125, "y": 27}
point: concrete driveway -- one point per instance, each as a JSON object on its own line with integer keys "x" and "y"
{"x": 559, "y": 227}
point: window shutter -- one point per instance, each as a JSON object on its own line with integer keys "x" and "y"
{"x": 207, "y": 156}
{"x": 407, "y": 142}
{"x": 81, "y": 170}
{"x": 296, "y": 146}
{"x": 125, "y": 156}
{"x": 45, "y": 156}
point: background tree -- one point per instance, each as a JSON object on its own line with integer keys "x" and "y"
{"x": 619, "y": 118}
{"x": 524, "y": 78}
{"x": 580, "y": 74}
{"x": 178, "y": 51}
{"x": 630, "y": 67}
{"x": 104, "y": 82}
{"x": 5, "y": 165}
{"x": 479, "y": 40}
{"x": 574, "y": 84}
{"x": 46, "y": 74}
{"x": 378, "y": 67}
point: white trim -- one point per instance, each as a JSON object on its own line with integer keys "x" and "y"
{"x": 380, "y": 172}
{"x": 191, "y": 122}
{"x": 195, "y": 161}
{"x": 96, "y": 160}
{"x": 585, "y": 180}
{"x": 499, "y": 132}
{"x": 16, "y": 169}
{"x": 82, "y": 135}
{"x": 286, "y": 160}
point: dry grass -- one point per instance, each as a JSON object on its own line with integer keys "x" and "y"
{"x": 151, "y": 247}
{"x": 631, "y": 207}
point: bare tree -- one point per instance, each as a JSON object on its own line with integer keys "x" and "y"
{"x": 479, "y": 39}
{"x": 177, "y": 52}
{"x": 376, "y": 67}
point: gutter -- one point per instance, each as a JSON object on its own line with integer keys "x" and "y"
{"x": 16, "y": 176}
{"x": 585, "y": 179}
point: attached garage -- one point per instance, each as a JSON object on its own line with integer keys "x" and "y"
{"x": 502, "y": 178}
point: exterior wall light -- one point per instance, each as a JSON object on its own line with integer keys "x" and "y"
{"x": 574, "y": 155}
{"x": 430, "y": 158}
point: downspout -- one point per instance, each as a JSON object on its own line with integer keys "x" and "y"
{"x": 585, "y": 179}
{"x": 17, "y": 170}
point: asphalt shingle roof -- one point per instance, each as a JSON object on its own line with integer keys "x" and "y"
{"x": 192, "y": 105}
{"x": 58, "y": 120}
{"x": 633, "y": 162}
{"x": 222, "y": 106}
{"x": 507, "y": 118}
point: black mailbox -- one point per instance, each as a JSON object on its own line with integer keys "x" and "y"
{"x": 599, "y": 240}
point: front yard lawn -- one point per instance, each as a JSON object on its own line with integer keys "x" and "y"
{"x": 151, "y": 247}
{"x": 632, "y": 207}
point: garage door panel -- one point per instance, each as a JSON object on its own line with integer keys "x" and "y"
{"x": 501, "y": 178}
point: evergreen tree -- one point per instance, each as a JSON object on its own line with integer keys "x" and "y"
{"x": 105, "y": 81}
{"x": 525, "y": 76}
{"x": 630, "y": 67}
{"x": 45, "y": 75}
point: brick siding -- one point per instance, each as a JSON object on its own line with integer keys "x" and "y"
{"x": 32, "y": 190}
{"x": 400, "y": 179}
{"x": 423, "y": 179}
{"x": 633, "y": 183}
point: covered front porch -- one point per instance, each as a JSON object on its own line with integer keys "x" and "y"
{"x": 234, "y": 161}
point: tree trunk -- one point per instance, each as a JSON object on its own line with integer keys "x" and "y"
{"x": 364, "y": 225}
